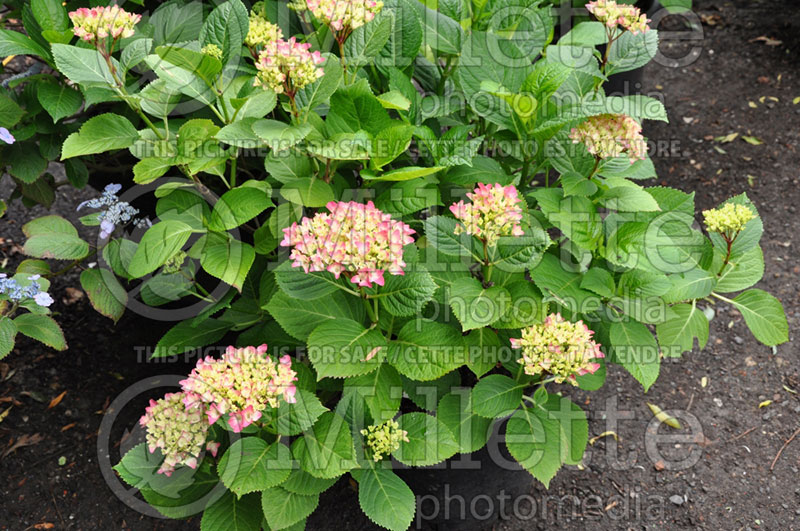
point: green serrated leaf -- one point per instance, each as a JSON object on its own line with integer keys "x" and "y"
{"x": 42, "y": 328}
{"x": 251, "y": 464}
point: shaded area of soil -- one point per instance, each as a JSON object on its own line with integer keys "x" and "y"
{"x": 729, "y": 484}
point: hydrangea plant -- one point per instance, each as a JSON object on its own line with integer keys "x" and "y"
{"x": 401, "y": 202}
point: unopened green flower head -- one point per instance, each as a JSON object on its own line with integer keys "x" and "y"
{"x": 261, "y": 30}
{"x": 383, "y": 439}
{"x": 730, "y": 218}
{"x": 173, "y": 265}
{"x": 559, "y": 347}
{"x": 212, "y": 50}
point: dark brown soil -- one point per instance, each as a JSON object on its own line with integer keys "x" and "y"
{"x": 730, "y": 484}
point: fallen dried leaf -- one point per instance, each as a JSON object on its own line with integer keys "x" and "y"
{"x": 68, "y": 426}
{"x": 659, "y": 465}
{"x": 769, "y": 41}
{"x": 704, "y": 381}
{"x": 35, "y": 395}
{"x": 44, "y": 525}
{"x": 751, "y": 179}
{"x": 726, "y": 138}
{"x": 752, "y": 104}
{"x": 57, "y": 400}
{"x": 73, "y": 295}
{"x": 796, "y": 100}
{"x": 604, "y": 434}
{"x": 765, "y": 403}
{"x": 664, "y": 417}
{"x": 4, "y": 414}
{"x": 752, "y": 140}
{"x": 24, "y": 440}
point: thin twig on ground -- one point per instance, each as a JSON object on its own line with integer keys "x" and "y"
{"x": 777, "y": 456}
{"x": 743, "y": 434}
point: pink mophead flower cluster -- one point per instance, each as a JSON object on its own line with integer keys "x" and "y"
{"x": 178, "y": 430}
{"x": 610, "y": 135}
{"x": 354, "y": 238}
{"x": 493, "y": 212}
{"x": 100, "y": 22}
{"x": 241, "y": 384}
{"x": 287, "y": 66}
{"x": 560, "y": 348}
{"x": 625, "y": 16}
{"x": 344, "y": 15}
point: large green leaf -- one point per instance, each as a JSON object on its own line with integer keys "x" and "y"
{"x": 99, "y": 134}
{"x": 226, "y": 26}
{"x": 226, "y": 258}
{"x": 239, "y": 206}
{"x": 82, "y": 65}
{"x": 406, "y": 295}
{"x": 429, "y": 440}
{"x": 496, "y": 396}
{"x": 630, "y": 51}
{"x": 320, "y": 91}
{"x": 764, "y": 316}
{"x": 183, "y": 337}
{"x": 232, "y": 513}
{"x": 457, "y": 412}
{"x": 476, "y": 306}
{"x": 633, "y": 347}
{"x": 425, "y": 350}
{"x": 159, "y": 244}
{"x": 559, "y": 284}
{"x": 441, "y": 233}
{"x": 308, "y": 191}
{"x": 292, "y": 419}
{"x": 382, "y": 391}
{"x": 341, "y": 348}
{"x": 740, "y": 272}
{"x": 41, "y": 328}
{"x": 16, "y": 43}
{"x": 676, "y": 335}
{"x": 326, "y": 450}
{"x": 252, "y": 464}
{"x": 53, "y": 237}
{"x": 299, "y": 317}
{"x": 278, "y": 135}
{"x": 544, "y": 437}
{"x": 385, "y": 498}
{"x": 105, "y": 292}
{"x": 301, "y": 285}
{"x": 58, "y": 100}
{"x": 283, "y": 508}
{"x": 366, "y": 42}
{"x": 8, "y": 332}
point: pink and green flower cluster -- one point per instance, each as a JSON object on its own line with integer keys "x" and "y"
{"x": 241, "y": 384}
{"x": 619, "y": 15}
{"x": 93, "y": 24}
{"x": 354, "y": 238}
{"x": 493, "y": 212}
{"x": 344, "y": 15}
{"x": 560, "y": 348}
{"x": 611, "y": 135}
{"x": 287, "y": 66}
{"x": 178, "y": 430}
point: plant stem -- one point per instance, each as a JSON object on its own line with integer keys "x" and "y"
{"x": 233, "y": 172}
{"x": 370, "y": 311}
{"x": 596, "y": 165}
